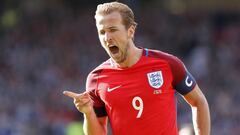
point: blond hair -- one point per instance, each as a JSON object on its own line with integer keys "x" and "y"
{"x": 125, "y": 12}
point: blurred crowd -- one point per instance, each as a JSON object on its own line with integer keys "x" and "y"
{"x": 45, "y": 49}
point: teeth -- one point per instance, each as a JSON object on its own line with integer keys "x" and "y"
{"x": 111, "y": 45}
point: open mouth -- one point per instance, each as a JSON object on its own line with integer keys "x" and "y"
{"x": 113, "y": 49}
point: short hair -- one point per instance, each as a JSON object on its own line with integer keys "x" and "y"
{"x": 125, "y": 12}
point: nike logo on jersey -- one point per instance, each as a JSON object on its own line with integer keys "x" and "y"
{"x": 114, "y": 88}
{"x": 188, "y": 82}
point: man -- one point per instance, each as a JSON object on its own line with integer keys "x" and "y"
{"x": 136, "y": 87}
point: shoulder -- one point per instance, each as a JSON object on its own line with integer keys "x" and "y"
{"x": 171, "y": 59}
{"x": 93, "y": 75}
{"x": 105, "y": 65}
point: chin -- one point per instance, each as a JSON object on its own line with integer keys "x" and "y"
{"x": 119, "y": 61}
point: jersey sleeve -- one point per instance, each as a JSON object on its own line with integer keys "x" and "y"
{"x": 183, "y": 81}
{"x": 91, "y": 86}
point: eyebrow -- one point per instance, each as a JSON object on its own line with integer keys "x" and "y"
{"x": 111, "y": 27}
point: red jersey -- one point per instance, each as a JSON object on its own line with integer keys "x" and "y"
{"x": 140, "y": 100}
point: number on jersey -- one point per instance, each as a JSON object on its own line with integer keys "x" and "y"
{"x": 137, "y": 104}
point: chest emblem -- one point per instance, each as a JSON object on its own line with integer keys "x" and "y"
{"x": 155, "y": 79}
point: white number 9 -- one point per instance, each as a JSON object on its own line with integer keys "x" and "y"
{"x": 139, "y": 106}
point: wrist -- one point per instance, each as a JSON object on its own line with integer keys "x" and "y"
{"x": 89, "y": 113}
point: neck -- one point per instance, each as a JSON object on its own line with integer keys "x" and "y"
{"x": 134, "y": 54}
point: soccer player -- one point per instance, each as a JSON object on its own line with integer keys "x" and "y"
{"x": 135, "y": 88}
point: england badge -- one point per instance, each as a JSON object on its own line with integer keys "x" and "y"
{"x": 155, "y": 79}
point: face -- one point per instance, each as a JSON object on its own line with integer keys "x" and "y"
{"x": 114, "y": 36}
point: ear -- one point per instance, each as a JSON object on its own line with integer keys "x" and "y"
{"x": 131, "y": 31}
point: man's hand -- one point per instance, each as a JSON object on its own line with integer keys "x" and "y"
{"x": 82, "y": 101}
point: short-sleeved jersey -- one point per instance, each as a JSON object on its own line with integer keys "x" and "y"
{"x": 140, "y": 100}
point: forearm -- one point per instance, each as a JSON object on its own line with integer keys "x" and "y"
{"x": 201, "y": 118}
{"x": 92, "y": 126}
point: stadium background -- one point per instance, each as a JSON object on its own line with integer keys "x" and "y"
{"x": 47, "y": 46}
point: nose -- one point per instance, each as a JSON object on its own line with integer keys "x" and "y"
{"x": 107, "y": 37}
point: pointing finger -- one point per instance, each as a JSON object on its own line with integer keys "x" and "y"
{"x": 70, "y": 94}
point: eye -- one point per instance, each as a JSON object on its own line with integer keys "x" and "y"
{"x": 113, "y": 30}
{"x": 101, "y": 32}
